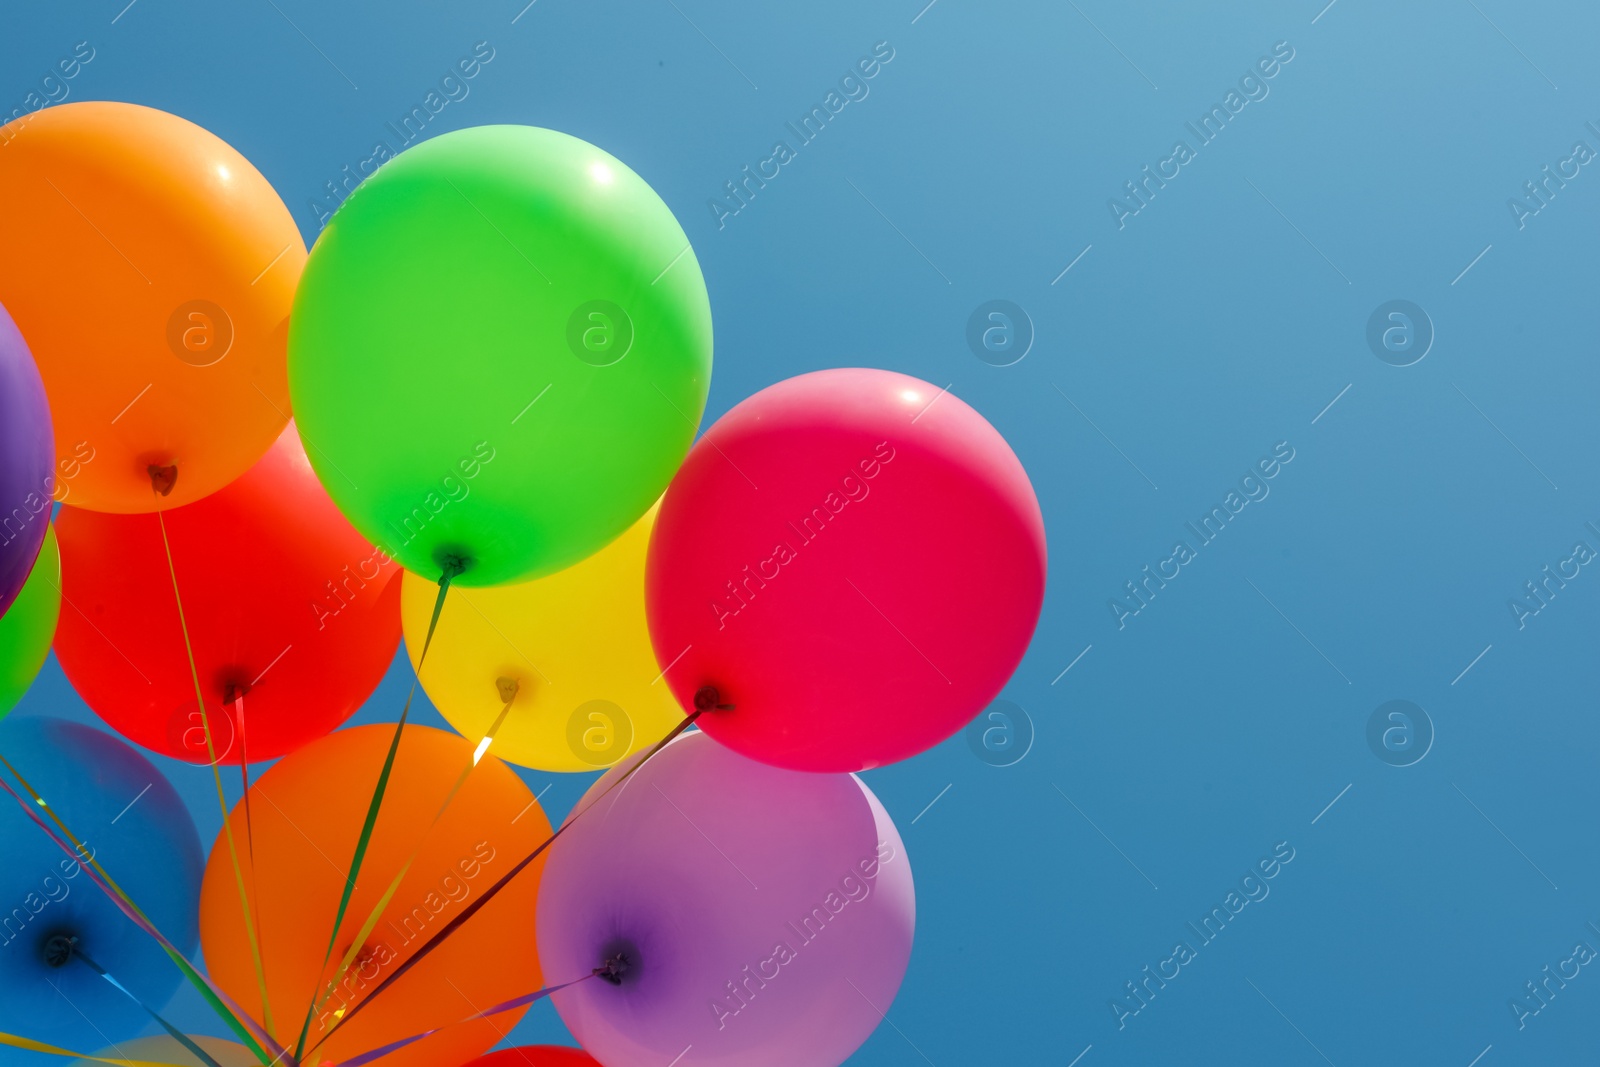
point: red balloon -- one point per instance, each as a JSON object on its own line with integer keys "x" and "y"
{"x": 537, "y": 1056}
{"x": 853, "y": 559}
{"x": 286, "y": 605}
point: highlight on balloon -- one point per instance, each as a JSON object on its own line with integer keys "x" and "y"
{"x": 232, "y": 494}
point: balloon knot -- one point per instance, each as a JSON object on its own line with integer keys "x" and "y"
{"x": 163, "y": 479}
{"x": 59, "y": 949}
{"x": 612, "y": 969}
{"x": 706, "y": 698}
{"x": 452, "y": 564}
{"x": 508, "y": 688}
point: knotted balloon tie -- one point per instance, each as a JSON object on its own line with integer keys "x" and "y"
{"x": 163, "y": 479}
{"x": 707, "y": 698}
{"x": 58, "y": 951}
{"x": 613, "y": 969}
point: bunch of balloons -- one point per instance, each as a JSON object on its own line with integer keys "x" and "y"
{"x": 496, "y": 359}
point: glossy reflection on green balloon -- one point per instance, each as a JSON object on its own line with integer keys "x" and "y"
{"x": 29, "y": 625}
{"x": 499, "y": 353}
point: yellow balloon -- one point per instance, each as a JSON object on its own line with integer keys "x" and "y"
{"x": 589, "y": 690}
{"x": 166, "y": 1051}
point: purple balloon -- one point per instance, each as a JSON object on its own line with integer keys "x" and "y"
{"x": 27, "y": 461}
{"x": 762, "y": 915}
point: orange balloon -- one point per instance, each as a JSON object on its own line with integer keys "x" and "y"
{"x": 308, "y": 812}
{"x": 151, "y": 269}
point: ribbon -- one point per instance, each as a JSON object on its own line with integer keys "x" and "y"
{"x": 30, "y": 1045}
{"x": 177, "y": 1034}
{"x": 451, "y": 569}
{"x": 216, "y": 775}
{"x": 508, "y": 687}
{"x": 249, "y": 821}
{"x": 509, "y": 1005}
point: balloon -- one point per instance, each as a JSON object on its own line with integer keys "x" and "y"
{"x": 166, "y": 1051}
{"x": 503, "y": 339}
{"x": 761, "y": 915}
{"x": 27, "y": 473}
{"x": 308, "y": 811}
{"x": 285, "y": 604}
{"x": 590, "y": 690}
{"x": 151, "y": 268}
{"x": 133, "y": 824}
{"x": 28, "y": 628}
{"x": 871, "y": 596}
{"x": 537, "y": 1056}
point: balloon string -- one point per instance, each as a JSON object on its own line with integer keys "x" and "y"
{"x": 178, "y": 1035}
{"x": 509, "y": 1005}
{"x": 382, "y": 905}
{"x": 29, "y": 1045}
{"x": 244, "y": 780}
{"x": 219, "y": 1002}
{"x": 489, "y": 894}
{"x": 216, "y": 775}
{"x": 451, "y": 569}
{"x": 249, "y": 822}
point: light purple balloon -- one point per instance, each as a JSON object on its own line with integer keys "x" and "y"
{"x": 766, "y": 915}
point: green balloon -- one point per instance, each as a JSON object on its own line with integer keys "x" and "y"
{"x": 499, "y": 353}
{"x": 29, "y": 625}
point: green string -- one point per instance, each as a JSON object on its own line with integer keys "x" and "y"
{"x": 451, "y": 569}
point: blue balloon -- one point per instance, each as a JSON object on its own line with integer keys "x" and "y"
{"x": 133, "y": 824}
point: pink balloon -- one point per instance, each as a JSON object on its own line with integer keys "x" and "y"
{"x": 855, "y": 560}
{"x": 762, "y": 915}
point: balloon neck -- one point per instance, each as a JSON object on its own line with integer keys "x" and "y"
{"x": 59, "y": 949}
{"x": 452, "y": 563}
{"x": 163, "y": 478}
{"x": 614, "y": 968}
{"x": 708, "y": 698}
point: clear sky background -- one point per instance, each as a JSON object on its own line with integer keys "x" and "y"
{"x": 1172, "y": 348}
